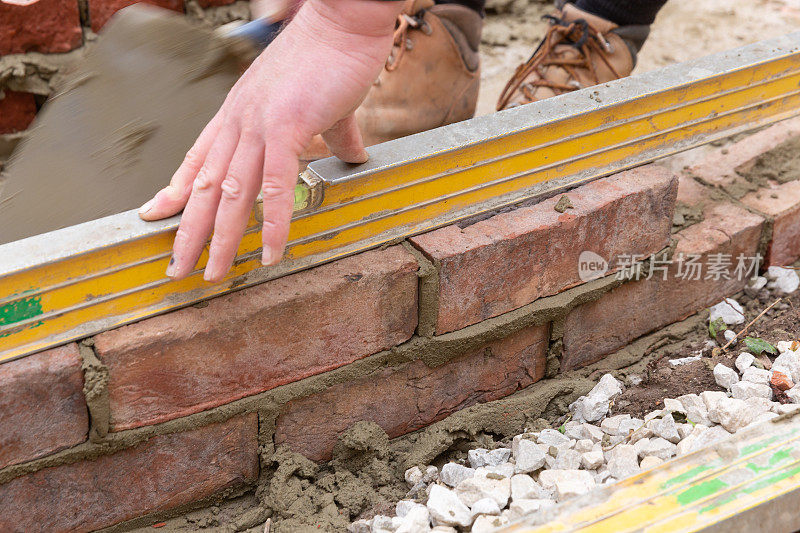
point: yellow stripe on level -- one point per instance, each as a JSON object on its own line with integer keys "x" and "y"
{"x": 50, "y": 302}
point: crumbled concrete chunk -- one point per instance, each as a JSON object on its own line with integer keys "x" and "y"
{"x": 483, "y": 457}
{"x": 454, "y": 473}
{"x": 623, "y": 461}
{"x": 746, "y": 389}
{"x": 665, "y": 427}
{"x": 724, "y": 376}
{"x": 743, "y": 361}
{"x": 592, "y": 459}
{"x": 756, "y": 375}
{"x": 661, "y": 448}
{"x": 528, "y": 456}
{"x": 732, "y": 414}
{"x": 649, "y": 462}
{"x": 782, "y": 279}
{"x": 728, "y": 310}
{"x": 446, "y": 509}
{"x": 479, "y": 487}
{"x": 567, "y": 483}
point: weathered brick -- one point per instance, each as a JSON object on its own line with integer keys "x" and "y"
{"x": 160, "y": 474}
{"x": 258, "y": 338}
{"x": 511, "y": 259}
{"x": 411, "y": 396}
{"x": 102, "y": 10}
{"x": 17, "y": 111}
{"x": 636, "y": 308}
{"x": 781, "y": 204}
{"x": 722, "y": 167}
{"x": 39, "y": 26}
{"x": 42, "y": 408}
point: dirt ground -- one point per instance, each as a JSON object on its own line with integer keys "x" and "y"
{"x": 684, "y": 30}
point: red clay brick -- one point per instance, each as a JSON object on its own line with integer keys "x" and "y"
{"x": 782, "y": 204}
{"x": 511, "y": 259}
{"x": 160, "y": 474}
{"x": 636, "y": 308}
{"x": 258, "y": 338}
{"x": 17, "y": 111}
{"x": 720, "y": 168}
{"x": 41, "y": 26}
{"x": 102, "y": 10}
{"x": 406, "y": 398}
{"x": 42, "y": 408}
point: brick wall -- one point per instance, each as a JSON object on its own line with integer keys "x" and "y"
{"x": 166, "y": 411}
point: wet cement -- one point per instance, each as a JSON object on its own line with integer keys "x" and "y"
{"x": 119, "y": 125}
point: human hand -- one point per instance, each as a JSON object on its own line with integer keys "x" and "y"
{"x": 308, "y": 81}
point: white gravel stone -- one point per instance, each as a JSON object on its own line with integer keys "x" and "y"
{"x": 729, "y": 336}
{"x": 414, "y": 475}
{"x": 594, "y": 406}
{"x": 649, "y": 462}
{"x": 674, "y": 406}
{"x": 553, "y": 437}
{"x": 444, "y": 529}
{"x": 653, "y": 414}
{"x": 404, "y": 506}
{"x": 782, "y": 409}
{"x": 794, "y": 393}
{"x": 784, "y": 346}
{"x": 643, "y": 432}
{"x": 454, "y": 473}
{"x": 743, "y": 361}
{"x": 567, "y": 483}
{"x": 728, "y": 310}
{"x": 487, "y": 523}
{"x": 486, "y": 506}
{"x": 661, "y": 448}
{"x": 417, "y": 520}
{"x": 665, "y": 427}
{"x": 602, "y": 475}
{"x": 759, "y": 405}
{"x": 641, "y": 445}
{"x": 684, "y": 430}
{"x": 612, "y": 424}
{"x": 756, "y": 375}
{"x": 747, "y": 389}
{"x": 360, "y": 526}
{"x": 724, "y": 376}
{"x": 783, "y": 279}
{"x": 483, "y": 457}
{"x": 710, "y": 398}
{"x": 574, "y": 430}
{"x": 592, "y": 459}
{"x": 568, "y": 459}
{"x": 732, "y": 414}
{"x": 446, "y": 509}
{"x": 684, "y": 360}
{"x": 521, "y": 508}
{"x": 584, "y": 445}
{"x": 623, "y": 461}
{"x": 695, "y": 409}
{"x": 523, "y": 487}
{"x": 789, "y": 363}
{"x": 528, "y": 456}
{"x": 484, "y": 485}
{"x": 383, "y": 524}
{"x": 593, "y": 432}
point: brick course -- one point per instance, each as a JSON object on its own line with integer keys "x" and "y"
{"x": 511, "y": 259}
{"x": 258, "y": 338}
{"x": 409, "y": 397}
{"x": 42, "y": 408}
{"x": 782, "y": 204}
{"x": 160, "y": 474}
{"x": 45, "y": 26}
{"x": 596, "y": 329}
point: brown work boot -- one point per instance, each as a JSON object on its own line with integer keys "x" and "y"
{"x": 579, "y": 50}
{"x": 431, "y": 78}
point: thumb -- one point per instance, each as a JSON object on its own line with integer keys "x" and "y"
{"x": 345, "y": 142}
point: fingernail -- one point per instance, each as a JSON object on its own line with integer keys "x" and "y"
{"x": 207, "y": 274}
{"x": 147, "y": 206}
{"x": 171, "y": 267}
{"x": 270, "y": 257}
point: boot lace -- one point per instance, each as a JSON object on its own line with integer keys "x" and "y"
{"x": 405, "y": 23}
{"x": 580, "y": 35}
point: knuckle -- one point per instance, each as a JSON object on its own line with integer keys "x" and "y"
{"x": 203, "y": 181}
{"x": 192, "y": 158}
{"x": 231, "y": 188}
{"x": 271, "y": 190}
